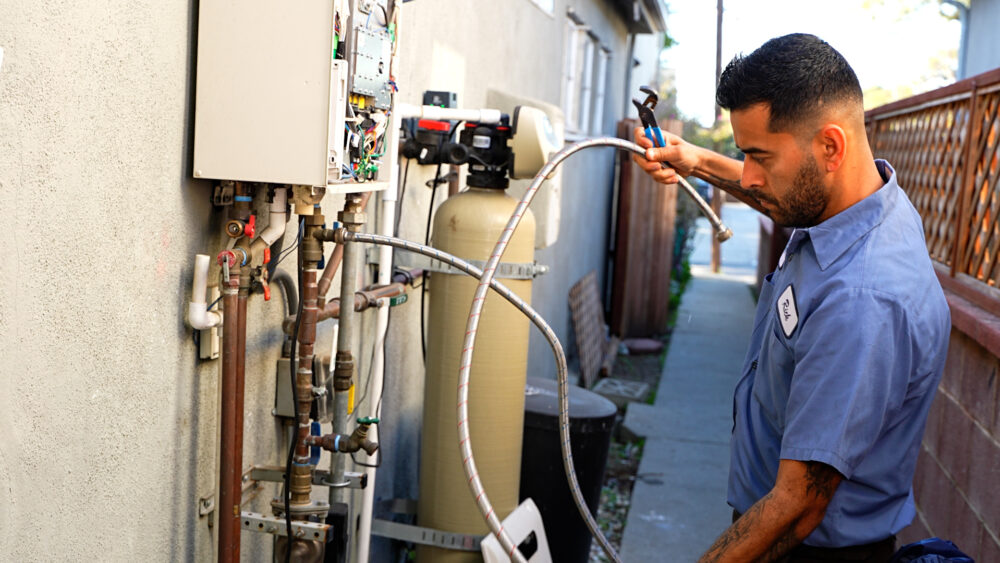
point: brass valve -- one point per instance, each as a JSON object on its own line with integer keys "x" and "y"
{"x": 357, "y": 440}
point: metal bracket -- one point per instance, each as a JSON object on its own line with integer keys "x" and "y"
{"x": 206, "y": 505}
{"x": 301, "y": 529}
{"x": 506, "y": 270}
{"x": 320, "y": 477}
{"x": 222, "y": 193}
{"x": 425, "y": 536}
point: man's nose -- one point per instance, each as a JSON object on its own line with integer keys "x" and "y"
{"x": 753, "y": 177}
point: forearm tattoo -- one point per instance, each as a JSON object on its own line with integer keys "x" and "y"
{"x": 821, "y": 482}
{"x": 731, "y": 186}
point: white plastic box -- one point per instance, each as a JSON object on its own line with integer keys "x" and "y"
{"x": 270, "y": 97}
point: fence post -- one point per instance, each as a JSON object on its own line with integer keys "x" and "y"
{"x": 968, "y": 183}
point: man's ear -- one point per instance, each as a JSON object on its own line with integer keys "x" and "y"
{"x": 830, "y": 144}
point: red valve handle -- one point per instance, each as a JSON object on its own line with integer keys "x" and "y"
{"x": 267, "y": 291}
{"x": 267, "y": 255}
{"x": 251, "y": 227}
{"x": 228, "y": 256}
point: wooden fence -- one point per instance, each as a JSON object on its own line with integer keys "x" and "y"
{"x": 643, "y": 246}
{"x": 945, "y": 146}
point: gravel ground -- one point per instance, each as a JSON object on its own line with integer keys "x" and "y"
{"x": 623, "y": 459}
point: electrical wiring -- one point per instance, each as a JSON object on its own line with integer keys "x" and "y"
{"x": 364, "y": 395}
{"x": 209, "y": 308}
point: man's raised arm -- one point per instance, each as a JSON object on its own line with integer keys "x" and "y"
{"x": 689, "y": 160}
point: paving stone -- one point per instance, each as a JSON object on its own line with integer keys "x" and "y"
{"x": 622, "y": 391}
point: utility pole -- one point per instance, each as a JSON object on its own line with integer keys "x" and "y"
{"x": 717, "y": 194}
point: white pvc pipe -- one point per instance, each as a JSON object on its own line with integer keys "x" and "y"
{"x": 444, "y": 114}
{"x": 386, "y": 222}
{"x": 199, "y": 317}
{"x": 276, "y": 218}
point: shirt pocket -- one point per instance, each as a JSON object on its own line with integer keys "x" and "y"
{"x": 772, "y": 384}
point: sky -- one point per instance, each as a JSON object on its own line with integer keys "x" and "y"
{"x": 886, "y": 47}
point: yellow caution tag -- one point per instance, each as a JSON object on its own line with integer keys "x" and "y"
{"x": 350, "y": 400}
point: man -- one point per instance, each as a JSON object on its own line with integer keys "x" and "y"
{"x": 851, "y": 330}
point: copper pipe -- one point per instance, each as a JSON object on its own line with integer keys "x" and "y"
{"x": 363, "y": 300}
{"x": 229, "y": 467}
{"x": 336, "y": 258}
{"x": 301, "y": 484}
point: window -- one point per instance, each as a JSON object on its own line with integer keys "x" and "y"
{"x": 545, "y": 5}
{"x": 585, "y": 69}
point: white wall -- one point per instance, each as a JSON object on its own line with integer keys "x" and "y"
{"x": 983, "y": 51}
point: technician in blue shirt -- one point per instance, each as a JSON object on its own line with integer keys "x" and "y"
{"x": 851, "y": 331}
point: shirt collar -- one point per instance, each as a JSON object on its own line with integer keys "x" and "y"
{"x": 833, "y": 237}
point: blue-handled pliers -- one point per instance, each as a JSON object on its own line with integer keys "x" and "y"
{"x": 654, "y": 134}
{"x": 647, "y": 118}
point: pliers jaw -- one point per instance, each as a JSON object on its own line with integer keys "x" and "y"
{"x": 645, "y": 114}
{"x": 648, "y": 120}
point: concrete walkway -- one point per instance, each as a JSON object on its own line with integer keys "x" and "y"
{"x": 679, "y": 501}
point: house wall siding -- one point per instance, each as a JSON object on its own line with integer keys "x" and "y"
{"x": 984, "y": 42}
{"x": 108, "y": 421}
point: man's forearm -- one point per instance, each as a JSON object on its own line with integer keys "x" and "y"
{"x": 782, "y": 518}
{"x": 725, "y": 173}
{"x": 764, "y": 533}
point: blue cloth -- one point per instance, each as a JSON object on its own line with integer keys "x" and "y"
{"x": 848, "y": 346}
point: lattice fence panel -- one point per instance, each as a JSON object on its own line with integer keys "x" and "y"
{"x": 926, "y": 147}
{"x": 983, "y": 203}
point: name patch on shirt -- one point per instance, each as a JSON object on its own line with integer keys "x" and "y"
{"x": 788, "y": 312}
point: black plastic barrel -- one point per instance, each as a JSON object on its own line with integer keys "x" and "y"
{"x": 543, "y": 479}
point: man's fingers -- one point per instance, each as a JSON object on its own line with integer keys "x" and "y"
{"x": 660, "y": 154}
{"x": 657, "y": 171}
{"x": 641, "y": 139}
{"x": 666, "y": 176}
{"x": 648, "y": 166}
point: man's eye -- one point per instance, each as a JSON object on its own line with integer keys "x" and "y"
{"x": 757, "y": 159}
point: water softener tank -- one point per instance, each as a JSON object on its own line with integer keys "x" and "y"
{"x": 468, "y": 226}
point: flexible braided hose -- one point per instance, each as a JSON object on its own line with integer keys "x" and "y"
{"x": 478, "y": 301}
{"x": 458, "y": 263}
{"x": 486, "y": 281}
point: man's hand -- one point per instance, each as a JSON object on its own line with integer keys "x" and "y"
{"x": 682, "y": 157}
{"x": 783, "y": 518}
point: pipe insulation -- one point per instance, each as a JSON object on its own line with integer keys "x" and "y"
{"x": 475, "y": 312}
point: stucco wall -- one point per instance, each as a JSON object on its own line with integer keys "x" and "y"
{"x": 108, "y": 418}
{"x": 984, "y": 43}
{"x": 108, "y": 421}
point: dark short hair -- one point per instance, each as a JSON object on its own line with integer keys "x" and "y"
{"x": 794, "y": 74}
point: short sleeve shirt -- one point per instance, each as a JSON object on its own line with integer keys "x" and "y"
{"x": 848, "y": 347}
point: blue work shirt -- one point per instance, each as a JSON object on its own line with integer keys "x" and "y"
{"x": 848, "y": 346}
